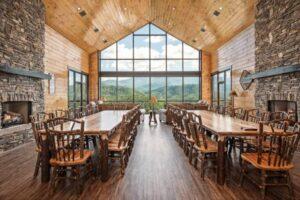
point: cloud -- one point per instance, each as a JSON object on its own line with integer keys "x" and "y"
{"x": 172, "y": 39}
{"x": 157, "y": 39}
{"x": 124, "y": 52}
{"x": 109, "y": 52}
{"x": 190, "y": 52}
{"x": 158, "y": 65}
{"x": 174, "y": 65}
{"x": 141, "y": 65}
{"x": 174, "y": 51}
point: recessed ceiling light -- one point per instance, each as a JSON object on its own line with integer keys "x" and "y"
{"x": 78, "y": 9}
{"x": 221, "y": 8}
{"x": 216, "y": 13}
{"x": 82, "y": 13}
{"x": 96, "y": 30}
{"x": 203, "y": 29}
{"x": 173, "y": 8}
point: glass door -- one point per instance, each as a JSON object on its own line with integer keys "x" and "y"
{"x": 78, "y": 89}
{"x": 221, "y": 88}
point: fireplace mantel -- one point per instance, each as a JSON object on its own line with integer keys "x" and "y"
{"x": 247, "y": 78}
{"x": 24, "y": 72}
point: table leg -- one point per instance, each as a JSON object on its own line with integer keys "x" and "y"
{"x": 221, "y": 161}
{"x": 45, "y": 159}
{"x": 104, "y": 157}
{"x": 150, "y": 118}
{"x": 97, "y": 155}
{"x": 154, "y": 116}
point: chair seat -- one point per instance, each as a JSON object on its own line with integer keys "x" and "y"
{"x": 252, "y": 158}
{"x": 183, "y": 133}
{"x": 38, "y": 149}
{"x": 114, "y": 147}
{"x": 77, "y": 160}
{"x": 265, "y": 144}
{"x": 212, "y": 147}
{"x": 189, "y": 139}
{"x": 114, "y": 139}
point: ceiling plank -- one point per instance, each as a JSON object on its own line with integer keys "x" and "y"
{"x": 118, "y": 18}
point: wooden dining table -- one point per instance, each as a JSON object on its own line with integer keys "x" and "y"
{"x": 224, "y": 126}
{"x": 102, "y": 125}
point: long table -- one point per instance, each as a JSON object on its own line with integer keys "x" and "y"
{"x": 225, "y": 126}
{"x": 102, "y": 124}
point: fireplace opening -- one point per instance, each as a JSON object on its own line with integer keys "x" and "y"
{"x": 286, "y": 108}
{"x": 15, "y": 113}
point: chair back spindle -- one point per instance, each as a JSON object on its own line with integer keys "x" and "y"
{"x": 282, "y": 146}
{"x": 65, "y": 145}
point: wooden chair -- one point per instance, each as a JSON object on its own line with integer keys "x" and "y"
{"x": 210, "y": 107}
{"x": 132, "y": 118}
{"x": 41, "y": 116}
{"x": 273, "y": 162}
{"x": 180, "y": 127}
{"x": 222, "y": 110}
{"x": 61, "y": 113}
{"x": 256, "y": 116}
{"x": 118, "y": 145}
{"x": 252, "y": 143}
{"x": 189, "y": 139}
{"x": 70, "y": 113}
{"x": 240, "y": 113}
{"x": 233, "y": 142}
{"x": 67, "y": 152}
{"x": 229, "y": 111}
{"x": 80, "y": 112}
{"x": 176, "y": 125}
{"x": 93, "y": 108}
{"x": 37, "y": 126}
{"x": 204, "y": 148}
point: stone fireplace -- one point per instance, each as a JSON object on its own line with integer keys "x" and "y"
{"x": 15, "y": 113}
{"x": 22, "y": 32}
{"x": 277, "y": 40}
{"x": 288, "y": 107}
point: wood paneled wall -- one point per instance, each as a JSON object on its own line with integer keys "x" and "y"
{"x": 206, "y": 79}
{"x": 61, "y": 54}
{"x": 239, "y": 53}
{"x": 93, "y": 82}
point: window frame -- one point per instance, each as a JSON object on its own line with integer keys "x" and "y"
{"x": 151, "y": 73}
{"x": 217, "y": 73}
{"x": 74, "y": 101}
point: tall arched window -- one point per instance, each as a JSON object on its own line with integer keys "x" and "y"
{"x": 150, "y": 62}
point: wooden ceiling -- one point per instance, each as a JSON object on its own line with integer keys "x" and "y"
{"x": 118, "y": 18}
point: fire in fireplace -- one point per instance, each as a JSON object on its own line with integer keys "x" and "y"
{"x": 288, "y": 108}
{"x": 15, "y": 112}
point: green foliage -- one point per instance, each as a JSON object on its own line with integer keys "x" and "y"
{"x": 142, "y": 96}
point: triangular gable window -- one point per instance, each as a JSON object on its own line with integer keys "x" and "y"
{"x": 135, "y": 58}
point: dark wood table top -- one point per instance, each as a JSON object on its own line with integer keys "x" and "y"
{"x": 101, "y": 122}
{"x": 224, "y": 125}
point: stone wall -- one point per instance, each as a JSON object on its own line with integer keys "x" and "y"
{"x": 22, "y": 36}
{"x": 277, "y": 41}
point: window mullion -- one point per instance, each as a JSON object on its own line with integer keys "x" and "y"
{"x": 150, "y": 73}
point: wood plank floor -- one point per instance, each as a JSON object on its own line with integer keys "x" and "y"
{"x": 158, "y": 169}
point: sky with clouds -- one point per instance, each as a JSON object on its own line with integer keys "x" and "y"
{"x": 159, "y": 49}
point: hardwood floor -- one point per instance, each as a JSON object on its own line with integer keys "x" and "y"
{"x": 157, "y": 169}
